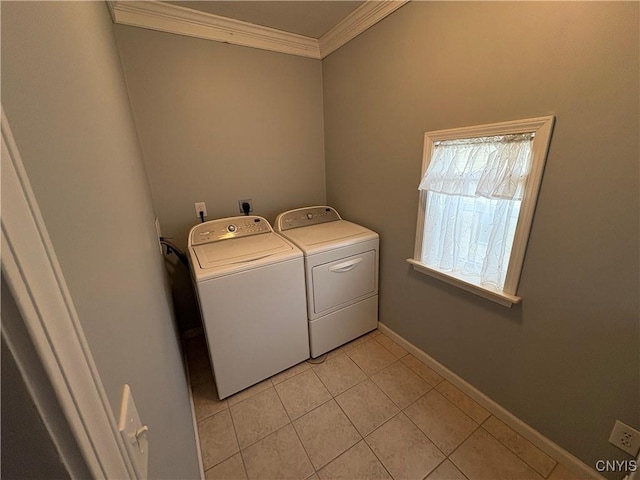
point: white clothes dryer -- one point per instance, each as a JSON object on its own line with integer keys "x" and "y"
{"x": 341, "y": 270}
{"x": 251, "y": 291}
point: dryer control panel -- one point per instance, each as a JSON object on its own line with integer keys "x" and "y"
{"x": 226, "y": 228}
{"x": 305, "y": 217}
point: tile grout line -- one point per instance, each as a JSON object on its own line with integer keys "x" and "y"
{"x": 362, "y": 437}
{"x": 403, "y": 364}
{"x": 446, "y": 457}
{"x": 516, "y": 453}
{"x": 235, "y": 432}
{"x": 250, "y": 396}
{"x": 372, "y": 450}
{"x": 400, "y": 409}
{"x": 214, "y": 413}
{"x": 340, "y": 393}
{"x": 343, "y": 412}
{"x": 576, "y": 466}
{"x": 185, "y": 357}
{"x": 367, "y": 376}
{"x": 291, "y": 422}
{"x": 388, "y": 349}
{"x": 296, "y": 431}
{"x": 436, "y": 467}
{"x": 403, "y": 411}
{"x": 253, "y": 396}
{"x": 478, "y": 426}
{"x": 458, "y": 408}
{"x": 198, "y": 421}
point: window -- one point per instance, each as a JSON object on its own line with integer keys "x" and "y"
{"x": 477, "y": 197}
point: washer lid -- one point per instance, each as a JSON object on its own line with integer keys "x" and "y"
{"x": 316, "y": 238}
{"x": 241, "y": 250}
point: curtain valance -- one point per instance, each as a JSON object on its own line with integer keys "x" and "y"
{"x": 489, "y": 167}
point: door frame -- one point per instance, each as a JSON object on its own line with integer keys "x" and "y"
{"x": 49, "y": 322}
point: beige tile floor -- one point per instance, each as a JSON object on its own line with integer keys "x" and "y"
{"x": 370, "y": 411}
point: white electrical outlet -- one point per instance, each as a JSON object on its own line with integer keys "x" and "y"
{"x": 201, "y": 207}
{"x": 625, "y": 438}
{"x": 246, "y": 200}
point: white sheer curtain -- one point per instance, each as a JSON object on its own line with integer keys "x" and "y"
{"x": 474, "y": 190}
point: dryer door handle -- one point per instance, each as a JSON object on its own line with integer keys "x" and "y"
{"x": 346, "y": 266}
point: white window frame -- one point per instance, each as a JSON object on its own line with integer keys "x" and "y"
{"x": 542, "y": 127}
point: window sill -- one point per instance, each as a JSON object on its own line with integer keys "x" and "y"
{"x": 502, "y": 298}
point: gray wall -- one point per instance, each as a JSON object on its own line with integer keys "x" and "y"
{"x": 566, "y": 359}
{"x": 219, "y": 123}
{"x": 64, "y": 94}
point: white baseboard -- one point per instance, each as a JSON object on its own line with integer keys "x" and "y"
{"x": 543, "y": 443}
{"x": 193, "y": 407}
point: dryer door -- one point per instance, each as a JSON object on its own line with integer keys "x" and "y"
{"x": 343, "y": 281}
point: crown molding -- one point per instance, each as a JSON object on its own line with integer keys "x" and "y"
{"x": 170, "y": 18}
{"x": 166, "y": 17}
{"x": 365, "y": 16}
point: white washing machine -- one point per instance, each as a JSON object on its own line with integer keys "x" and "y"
{"x": 251, "y": 290}
{"x": 341, "y": 270}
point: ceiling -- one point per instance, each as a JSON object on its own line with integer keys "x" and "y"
{"x": 309, "y": 18}
{"x": 312, "y": 29}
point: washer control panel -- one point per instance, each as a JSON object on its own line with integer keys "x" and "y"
{"x": 304, "y": 217}
{"x": 226, "y": 228}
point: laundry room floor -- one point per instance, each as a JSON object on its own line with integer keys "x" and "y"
{"x": 370, "y": 411}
